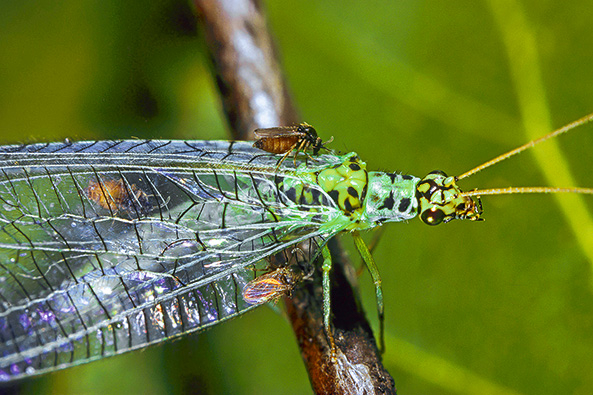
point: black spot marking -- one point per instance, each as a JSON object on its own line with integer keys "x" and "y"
{"x": 291, "y": 194}
{"x": 388, "y": 203}
{"x": 303, "y": 199}
{"x": 354, "y": 166}
{"x": 348, "y": 206}
{"x": 404, "y": 204}
{"x": 315, "y": 194}
{"x": 279, "y": 180}
{"x": 407, "y": 177}
{"x": 352, "y": 192}
{"x": 393, "y": 177}
{"x": 432, "y": 188}
{"x": 335, "y": 195}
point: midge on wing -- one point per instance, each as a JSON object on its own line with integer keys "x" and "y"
{"x": 117, "y": 196}
{"x": 273, "y": 285}
{"x": 287, "y": 139}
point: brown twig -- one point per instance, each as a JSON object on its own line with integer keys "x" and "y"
{"x": 249, "y": 78}
{"x": 255, "y": 95}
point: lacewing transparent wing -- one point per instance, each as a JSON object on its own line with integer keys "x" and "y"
{"x": 107, "y": 247}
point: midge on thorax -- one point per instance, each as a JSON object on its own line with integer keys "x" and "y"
{"x": 288, "y": 139}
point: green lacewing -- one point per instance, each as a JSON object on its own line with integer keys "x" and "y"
{"x": 111, "y": 246}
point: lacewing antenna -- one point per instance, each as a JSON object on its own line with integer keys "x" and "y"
{"x": 514, "y": 190}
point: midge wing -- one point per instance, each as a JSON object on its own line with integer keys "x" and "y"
{"x": 110, "y": 246}
{"x": 276, "y": 132}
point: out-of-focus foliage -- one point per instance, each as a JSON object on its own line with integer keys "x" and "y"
{"x": 500, "y": 306}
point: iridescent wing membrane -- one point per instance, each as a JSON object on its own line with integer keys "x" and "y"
{"x": 111, "y": 246}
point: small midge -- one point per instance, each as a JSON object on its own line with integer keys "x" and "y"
{"x": 115, "y": 195}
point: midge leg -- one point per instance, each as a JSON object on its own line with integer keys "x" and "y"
{"x": 367, "y": 257}
{"x": 285, "y": 156}
{"x": 296, "y": 148}
{"x": 300, "y": 147}
{"x": 326, "y": 267}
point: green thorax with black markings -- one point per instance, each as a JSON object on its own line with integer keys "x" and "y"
{"x": 367, "y": 199}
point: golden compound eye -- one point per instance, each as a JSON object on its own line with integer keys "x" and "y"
{"x": 434, "y": 216}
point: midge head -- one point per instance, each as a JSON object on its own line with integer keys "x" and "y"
{"x": 311, "y": 136}
{"x": 441, "y": 200}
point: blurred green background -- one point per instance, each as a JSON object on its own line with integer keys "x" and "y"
{"x": 502, "y": 306}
